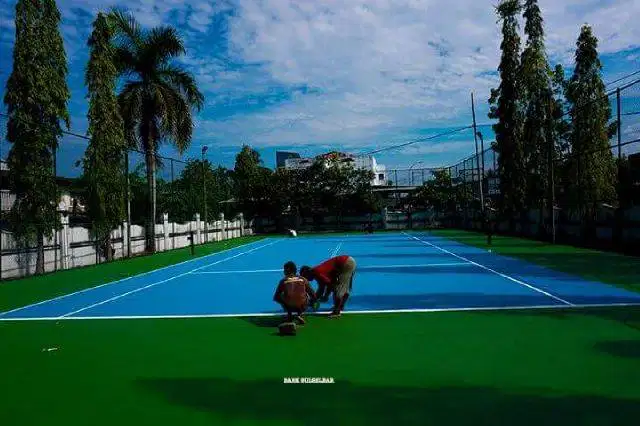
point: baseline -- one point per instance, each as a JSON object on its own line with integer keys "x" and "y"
{"x": 324, "y": 313}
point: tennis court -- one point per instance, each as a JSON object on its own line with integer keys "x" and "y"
{"x": 397, "y": 272}
{"x": 438, "y": 331}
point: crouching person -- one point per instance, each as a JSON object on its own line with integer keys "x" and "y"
{"x": 294, "y": 293}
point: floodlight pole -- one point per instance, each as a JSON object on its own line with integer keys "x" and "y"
{"x": 204, "y": 194}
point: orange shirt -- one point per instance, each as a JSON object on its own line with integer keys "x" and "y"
{"x": 293, "y": 291}
{"x": 327, "y": 271}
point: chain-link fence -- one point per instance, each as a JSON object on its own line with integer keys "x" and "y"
{"x": 180, "y": 202}
{"x": 409, "y": 177}
{"x": 594, "y": 195}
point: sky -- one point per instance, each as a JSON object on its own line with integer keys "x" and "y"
{"x": 312, "y": 76}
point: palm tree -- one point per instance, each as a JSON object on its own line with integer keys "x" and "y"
{"x": 157, "y": 96}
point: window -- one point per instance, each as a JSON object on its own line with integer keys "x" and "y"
{"x": 381, "y": 176}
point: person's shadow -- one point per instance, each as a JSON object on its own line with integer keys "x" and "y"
{"x": 267, "y": 321}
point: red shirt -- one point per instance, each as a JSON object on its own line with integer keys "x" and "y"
{"x": 294, "y": 292}
{"x": 327, "y": 271}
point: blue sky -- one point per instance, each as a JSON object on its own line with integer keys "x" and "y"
{"x": 350, "y": 75}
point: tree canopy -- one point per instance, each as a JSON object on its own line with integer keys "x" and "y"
{"x": 157, "y": 98}
{"x": 103, "y": 173}
{"x": 36, "y": 99}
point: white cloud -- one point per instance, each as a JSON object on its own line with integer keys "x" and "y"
{"x": 380, "y": 68}
{"x": 392, "y": 65}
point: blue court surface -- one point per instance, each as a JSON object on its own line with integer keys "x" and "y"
{"x": 397, "y": 272}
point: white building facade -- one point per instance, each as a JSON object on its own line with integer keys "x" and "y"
{"x": 368, "y": 163}
{"x": 379, "y": 171}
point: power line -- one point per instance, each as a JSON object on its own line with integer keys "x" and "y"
{"x": 64, "y": 132}
{"x": 417, "y": 140}
{"x": 622, "y": 78}
{"x": 85, "y": 137}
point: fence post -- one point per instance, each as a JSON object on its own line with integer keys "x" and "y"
{"x": 64, "y": 241}
{"x": 223, "y": 227}
{"x": 384, "y": 218}
{"x": 198, "y": 234}
{"x": 165, "y": 225}
{"x": 241, "y": 224}
{"x": 126, "y": 239}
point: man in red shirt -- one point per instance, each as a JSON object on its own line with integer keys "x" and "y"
{"x": 333, "y": 275}
{"x": 294, "y": 293}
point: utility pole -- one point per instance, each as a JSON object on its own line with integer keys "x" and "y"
{"x": 475, "y": 138}
{"x": 550, "y": 160}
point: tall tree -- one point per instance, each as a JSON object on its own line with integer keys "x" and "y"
{"x": 537, "y": 97}
{"x": 444, "y": 195}
{"x": 506, "y": 108}
{"x": 591, "y": 163}
{"x": 183, "y": 198}
{"x": 104, "y": 159}
{"x": 561, "y": 126}
{"x": 251, "y": 182}
{"x": 158, "y": 96}
{"x": 438, "y": 194}
{"x": 36, "y": 98}
{"x": 561, "y": 130}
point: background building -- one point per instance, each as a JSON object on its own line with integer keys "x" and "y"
{"x": 379, "y": 170}
{"x": 363, "y": 163}
{"x": 283, "y": 156}
{"x": 70, "y": 192}
{"x": 298, "y": 163}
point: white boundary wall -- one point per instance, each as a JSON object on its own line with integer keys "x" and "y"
{"x": 73, "y": 247}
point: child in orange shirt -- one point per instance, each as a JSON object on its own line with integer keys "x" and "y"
{"x": 294, "y": 293}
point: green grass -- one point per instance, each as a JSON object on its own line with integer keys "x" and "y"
{"x": 611, "y": 268}
{"x": 506, "y": 368}
{"x": 545, "y": 367}
{"x": 17, "y": 293}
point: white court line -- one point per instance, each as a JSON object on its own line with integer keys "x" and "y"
{"x": 491, "y": 270}
{"x": 166, "y": 280}
{"x": 254, "y": 271}
{"x": 381, "y": 311}
{"x": 420, "y": 265}
{"x": 129, "y": 278}
{"x": 337, "y": 249}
